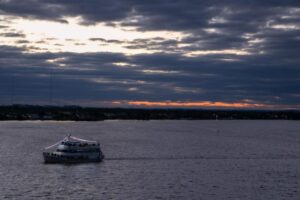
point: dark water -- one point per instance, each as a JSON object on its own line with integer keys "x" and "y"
{"x": 155, "y": 160}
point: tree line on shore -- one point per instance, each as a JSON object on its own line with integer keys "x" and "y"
{"x": 76, "y": 113}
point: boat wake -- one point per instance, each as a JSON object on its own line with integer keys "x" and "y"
{"x": 202, "y": 158}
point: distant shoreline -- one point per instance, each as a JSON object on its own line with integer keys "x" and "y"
{"x": 76, "y": 113}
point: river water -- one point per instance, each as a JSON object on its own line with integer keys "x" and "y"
{"x": 155, "y": 160}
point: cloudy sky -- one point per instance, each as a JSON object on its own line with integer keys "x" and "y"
{"x": 159, "y": 53}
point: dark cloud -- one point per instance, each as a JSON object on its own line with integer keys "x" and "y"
{"x": 157, "y": 44}
{"x": 90, "y": 77}
{"x": 158, "y": 14}
{"x": 106, "y": 41}
{"x": 267, "y": 30}
{"x": 22, "y": 41}
{"x": 33, "y": 9}
{"x": 12, "y": 34}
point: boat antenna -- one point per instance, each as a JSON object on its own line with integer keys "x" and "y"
{"x": 50, "y": 87}
{"x": 12, "y": 89}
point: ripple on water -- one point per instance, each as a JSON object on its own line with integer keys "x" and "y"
{"x": 155, "y": 160}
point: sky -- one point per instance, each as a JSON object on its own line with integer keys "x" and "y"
{"x": 159, "y": 53}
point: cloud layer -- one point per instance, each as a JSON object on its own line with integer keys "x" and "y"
{"x": 225, "y": 53}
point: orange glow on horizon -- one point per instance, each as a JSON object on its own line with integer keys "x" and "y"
{"x": 196, "y": 104}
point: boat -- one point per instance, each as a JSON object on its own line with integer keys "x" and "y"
{"x": 73, "y": 150}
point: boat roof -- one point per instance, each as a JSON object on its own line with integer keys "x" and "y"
{"x": 70, "y": 138}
